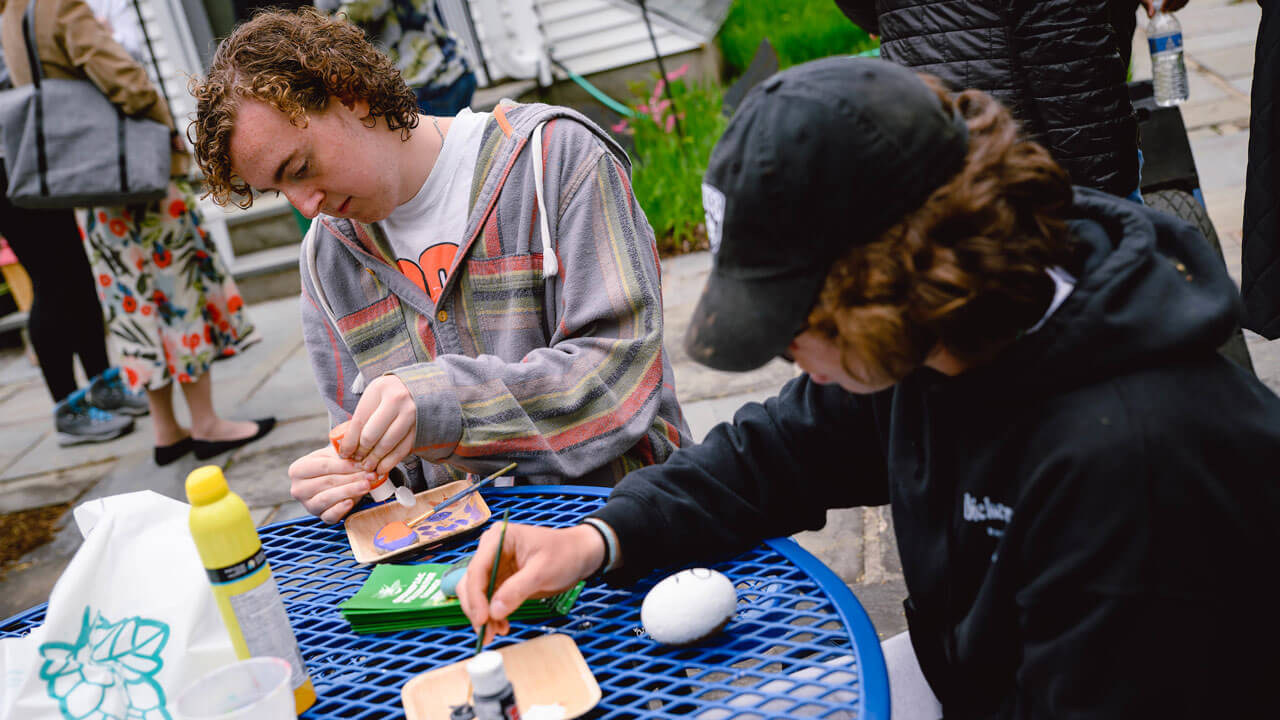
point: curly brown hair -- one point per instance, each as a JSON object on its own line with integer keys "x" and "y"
{"x": 294, "y": 61}
{"x": 966, "y": 270}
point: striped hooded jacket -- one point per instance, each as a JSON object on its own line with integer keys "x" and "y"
{"x": 545, "y": 347}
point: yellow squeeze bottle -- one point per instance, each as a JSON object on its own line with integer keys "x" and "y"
{"x": 246, "y": 592}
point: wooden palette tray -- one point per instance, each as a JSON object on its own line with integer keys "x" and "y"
{"x": 547, "y": 670}
{"x": 457, "y": 518}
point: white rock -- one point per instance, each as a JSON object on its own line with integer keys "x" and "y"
{"x": 688, "y": 606}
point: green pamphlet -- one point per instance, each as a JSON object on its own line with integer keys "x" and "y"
{"x": 399, "y": 597}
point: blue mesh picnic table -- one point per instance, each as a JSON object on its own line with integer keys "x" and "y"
{"x": 800, "y": 646}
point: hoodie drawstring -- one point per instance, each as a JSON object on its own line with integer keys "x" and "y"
{"x": 549, "y": 265}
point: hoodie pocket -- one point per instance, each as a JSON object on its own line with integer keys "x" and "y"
{"x": 377, "y": 338}
{"x": 504, "y": 301}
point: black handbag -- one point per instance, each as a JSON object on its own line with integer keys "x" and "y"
{"x": 66, "y": 145}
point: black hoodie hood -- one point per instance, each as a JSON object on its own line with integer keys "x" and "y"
{"x": 1149, "y": 289}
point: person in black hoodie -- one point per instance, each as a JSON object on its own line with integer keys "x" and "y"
{"x": 1084, "y": 492}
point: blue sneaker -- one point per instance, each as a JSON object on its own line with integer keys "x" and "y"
{"x": 107, "y": 392}
{"x": 79, "y": 422}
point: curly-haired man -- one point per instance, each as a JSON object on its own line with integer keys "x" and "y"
{"x": 1084, "y": 492}
{"x": 476, "y": 289}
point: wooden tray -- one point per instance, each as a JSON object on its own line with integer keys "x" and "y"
{"x": 458, "y": 518}
{"x": 547, "y": 670}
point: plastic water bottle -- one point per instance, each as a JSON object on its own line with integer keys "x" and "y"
{"x": 1168, "y": 71}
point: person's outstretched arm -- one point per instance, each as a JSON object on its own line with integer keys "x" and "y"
{"x": 774, "y": 471}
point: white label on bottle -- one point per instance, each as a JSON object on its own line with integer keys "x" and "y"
{"x": 265, "y": 627}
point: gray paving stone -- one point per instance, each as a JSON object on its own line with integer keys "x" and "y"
{"x": 47, "y": 456}
{"x": 287, "y": 511}
{"x": 1201, "y": 88}
{"x": 259, "y": 472}
{"x": 289, "y": 393}
{"x": 28, "y": 403}
{"x": 883, "y": 603}
{"x": 1220, "y": 161}
{"x": 1197, "y": 114}
{"x": 51, "y": 488}
{"x": 1233, "y": 61}
{"x": 17, "y": 440}
{"x": 1204, "y": 21}
{"x": 261, "y": 515}
{"x": 1196, "y": 43}
{"x": 1266, "y": 359}
{"x": 840, "y": 544}
{"x": 682, "y": 282}
{"x": 28, "y": 583}
{"x": 703, "y": 415}
{"x": 1226, "y": 210}
{"x": 16, "y": 367}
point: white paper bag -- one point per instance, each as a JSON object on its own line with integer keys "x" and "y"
{"x": 131, "y": 622}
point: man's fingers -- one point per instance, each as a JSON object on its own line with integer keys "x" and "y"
{"x": 337, "y": 512}
{"x": 513, "y": 591}
{"x": 316, "y": 465}
{"x": 398, "y": 452}
{"x": 494, "y": 628}
{"x": 374, "y": 432}
{"x": 351, "y": 440}
{"x": 471, "y": 591}
{"x": 319, "y": 495}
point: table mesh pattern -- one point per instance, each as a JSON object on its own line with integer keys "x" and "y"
{"x": 786, "y": 654}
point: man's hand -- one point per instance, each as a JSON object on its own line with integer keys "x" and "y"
{"x": 536, "y": 562}
{"x": 381, "y": 431}
{"x": 1169, "y": 6}
{"x": 328, "y": 486}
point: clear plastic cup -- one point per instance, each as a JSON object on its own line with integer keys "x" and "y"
{"x": 253, "y": 689}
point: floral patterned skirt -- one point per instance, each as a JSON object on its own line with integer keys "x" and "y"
{"x": 172, "y": 308}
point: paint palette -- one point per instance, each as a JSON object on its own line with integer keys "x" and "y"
{"x": 547, "y": 671}
{"x": 363, "y": 527}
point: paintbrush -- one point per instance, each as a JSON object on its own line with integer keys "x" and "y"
{"x": 493, "y": 576}
{"x": 460, "y": 495}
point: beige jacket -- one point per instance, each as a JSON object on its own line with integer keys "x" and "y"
{"x": 74, "y": 45}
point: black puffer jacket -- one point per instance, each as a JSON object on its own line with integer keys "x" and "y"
{"x": 1054, "y": 63}
{"x": 1260, "y": 282}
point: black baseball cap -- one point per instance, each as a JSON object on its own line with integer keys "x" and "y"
{"x": 819, "y": 158}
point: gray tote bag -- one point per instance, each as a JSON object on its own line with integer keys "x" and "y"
{"x": 66, "y": 145}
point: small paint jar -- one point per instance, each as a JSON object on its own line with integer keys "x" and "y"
{"x": 491, "y": 693}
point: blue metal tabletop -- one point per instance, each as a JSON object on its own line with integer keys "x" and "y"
{"x": 800, "y": 646}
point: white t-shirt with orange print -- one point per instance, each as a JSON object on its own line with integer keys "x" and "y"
{"x": 425, "y": 232}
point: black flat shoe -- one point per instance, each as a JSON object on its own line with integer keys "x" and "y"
{"x": 166, "y": 454}
{"x": 206, "y": 449}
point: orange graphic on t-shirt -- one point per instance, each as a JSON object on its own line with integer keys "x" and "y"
{"x": 432, "y": 268}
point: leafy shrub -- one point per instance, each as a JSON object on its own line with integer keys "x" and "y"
{"x": 800, "y": 30}
{"x": 668, "y": 167}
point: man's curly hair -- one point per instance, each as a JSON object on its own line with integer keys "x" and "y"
{"x": 965, "y": 270}
{"x": 294, "y": 61}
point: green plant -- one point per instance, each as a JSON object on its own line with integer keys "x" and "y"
{"x": 800, "y": 30}
{"x": 668, "y": 168}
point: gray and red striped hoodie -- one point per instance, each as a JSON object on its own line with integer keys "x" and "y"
{"x": 545, "y": 347}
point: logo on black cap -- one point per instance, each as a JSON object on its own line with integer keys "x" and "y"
{"x": 713, "y": 205}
